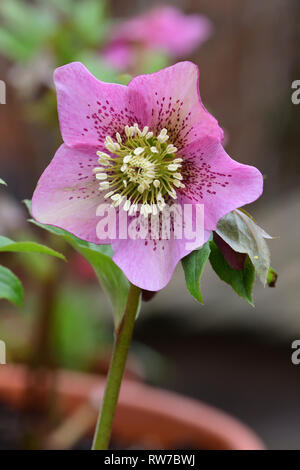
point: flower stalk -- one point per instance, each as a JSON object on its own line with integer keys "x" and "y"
{"x": 123, "y": 335}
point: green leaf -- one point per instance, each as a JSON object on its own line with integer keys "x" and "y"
{"x": 112, "y": 279}
{"x": 3, "y": 182}
{"x": 241, "y": 281}
{"x": 193, "y": 265}
{"x": 27, "y": 247}
{"x": 241, "y": 232}
{"x": 272, "y": 277}
{"x": 10, "y": 287}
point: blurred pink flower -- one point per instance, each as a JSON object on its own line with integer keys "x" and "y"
{"x": 147, "y": 143}
{"x": 164, "y": 28}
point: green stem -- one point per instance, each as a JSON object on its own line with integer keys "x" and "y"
{"x": 122, "y": 341}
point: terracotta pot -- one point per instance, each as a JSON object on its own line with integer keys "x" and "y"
{"x": 146, "y": 415}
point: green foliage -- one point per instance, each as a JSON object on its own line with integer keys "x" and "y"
{"x": 240, "y": 280}
{"x": 77, "y": 330}
{"x": 240, "y": 231}
{"x": 89, "y": 20}
{"x": 25, "y": 28}
{"x": 193, "y": 265}
{"x": 10, "y": 287}
{"x": 68, "y": 30}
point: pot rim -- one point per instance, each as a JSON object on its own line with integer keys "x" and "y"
{"x": 156, "y": 416}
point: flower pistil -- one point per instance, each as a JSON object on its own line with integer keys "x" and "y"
{"x": 143, "y": 171}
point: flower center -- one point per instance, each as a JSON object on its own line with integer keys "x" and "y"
{"x": 143, "y": 172}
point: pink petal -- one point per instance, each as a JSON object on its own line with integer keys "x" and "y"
{"x": 149, "y": 264}
{"x": 212, "y": 178}
{"x": 173, "y": 101}
{"x": 67, "y": 194}
{"x": 89, "y": 109}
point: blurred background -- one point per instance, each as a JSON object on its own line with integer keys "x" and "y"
{"x": 224, "y": 353}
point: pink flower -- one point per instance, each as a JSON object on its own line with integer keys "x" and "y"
{"x": 162, "y": 28}
{"x": 147, "y": 143}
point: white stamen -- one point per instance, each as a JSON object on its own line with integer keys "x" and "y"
{"x": 172, "y": 194}
{"x": 154, "y": 209}
{"x": 119, "y": 138}
{"x": 161, "y": 205}
{"x": 107, "y": 195}
{"x": 154, "y": 150}
{"x": 127, "y": 131}
{"x": 97, "y": 169}
{"x": 178, "y": 176}
{"x": 141, "y": 188}
{"x": 149, "y": 135}
{"x": 133, "y": 209}
{"x": 172, "y": 167}
{"x": 116, "y": 197}
{"x": 148, "y": 208}
{"x": 101, "y": 176}
{"x": 144, "y": 131}
{"x": 138, "y": 151}
{"x": 127, "y": 205}
{"x": 118, "y": 202}
{"x": 123, "y": 168}
{"x": 156, "y": 183}
{"x": 104, "y": 185}
{"x": 110, "y": 147}
{"x": 102, "y": 155}
{"x": 103, "y": 159}
{"x": 163, "y": 136}
{"x": 127, "y": 158}
{"x": 171, "y": 148}
{"x": 163, "y": 132}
